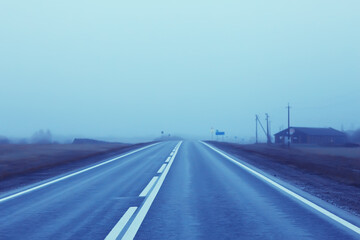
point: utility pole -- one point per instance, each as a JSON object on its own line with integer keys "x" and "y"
{"x": 256, "y": 130}
{"x": 270, "y": 130}
{"x": 267, "y": 128}
{"x": 289, "y": 139}
{"x": 262, "y": 127}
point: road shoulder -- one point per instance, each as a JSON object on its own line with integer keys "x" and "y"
{"x": 340, "y": 195}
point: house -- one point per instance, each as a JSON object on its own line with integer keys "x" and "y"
{"x": 320, "y": 136}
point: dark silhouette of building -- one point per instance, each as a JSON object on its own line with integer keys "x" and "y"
{"x": 321, "y": 136}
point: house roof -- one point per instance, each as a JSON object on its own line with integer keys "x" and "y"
{"x": 315, "y": 131}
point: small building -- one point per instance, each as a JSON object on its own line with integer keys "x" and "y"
{"x": 320, "y": 136}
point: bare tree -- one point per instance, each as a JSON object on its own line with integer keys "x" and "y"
{"x": 42, "y": 137}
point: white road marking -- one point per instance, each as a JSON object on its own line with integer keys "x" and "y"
{"x": 146, "y": 190}
{"x": 343, "y": 222}
{"x": 162, "y": 168}
{"x": 168, "y": 159}
{"x": 139, "y": 218}
{"x": 72, "y": 174}
{"x": 121, "y": 224}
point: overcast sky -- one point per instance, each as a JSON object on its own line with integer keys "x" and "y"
{"x": 126, "y": 69}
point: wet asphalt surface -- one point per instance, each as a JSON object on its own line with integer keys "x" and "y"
{"x": 204, "y": 196}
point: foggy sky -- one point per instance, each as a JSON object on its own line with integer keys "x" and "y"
{"x": 130, "y": 69}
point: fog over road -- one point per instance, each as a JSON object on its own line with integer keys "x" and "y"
{"x": 169, "y": 190}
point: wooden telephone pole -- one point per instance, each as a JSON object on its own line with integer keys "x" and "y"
{"x": 267, "y": 129}
{"x": 289, "y": 137}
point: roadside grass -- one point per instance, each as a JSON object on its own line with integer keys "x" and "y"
{"x": 17, "y": 159}
{"x": 343, "y": 152}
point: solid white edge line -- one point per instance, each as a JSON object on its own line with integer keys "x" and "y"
{"x": 139, "y": 218}
{"x": 114, "y": 233}
{"x": 72, "y": 174}
{"x": 148, "y": 187}
{"x": 343, "y": 222}
{"x": 162, "y": 168}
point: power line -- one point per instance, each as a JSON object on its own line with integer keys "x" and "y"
{"x": 262, "y": 127}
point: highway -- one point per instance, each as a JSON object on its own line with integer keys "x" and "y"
{"x": 169, "y": 190}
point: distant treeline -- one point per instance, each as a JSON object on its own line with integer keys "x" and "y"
{"x": 4, "y": 140}
{"x": 45, "y": 137}
{"x": 39, "y": 137}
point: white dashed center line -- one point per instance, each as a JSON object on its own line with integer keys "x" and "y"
{"x": 121, "y": 224}
{"x": 149, "y": 192}
{"x": 162, "y": 168}
{"x": 148, "y": 187}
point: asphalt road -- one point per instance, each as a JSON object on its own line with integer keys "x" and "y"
{"x": 171, "y": 190}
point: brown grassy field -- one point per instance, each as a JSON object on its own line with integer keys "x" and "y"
{"x": 343, "y": 152}
{"x": 18, "y": 159}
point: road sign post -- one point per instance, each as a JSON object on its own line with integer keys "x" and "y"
{"x": 218, "y": 133}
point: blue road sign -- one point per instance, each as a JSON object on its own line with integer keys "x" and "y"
{"x": 219, "y": 133}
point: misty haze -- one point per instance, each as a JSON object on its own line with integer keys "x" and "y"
{"x": 179, "y": 120}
